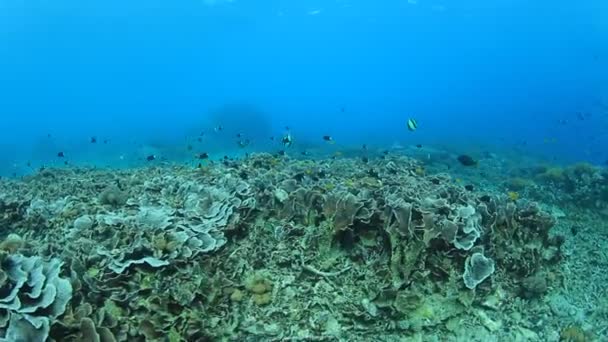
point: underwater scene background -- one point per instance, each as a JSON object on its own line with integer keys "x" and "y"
{"x": 347, "y": 170}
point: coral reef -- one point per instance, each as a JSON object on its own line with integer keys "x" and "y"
{"x": 272, "y": 248}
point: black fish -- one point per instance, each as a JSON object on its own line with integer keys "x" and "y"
{"x": 419, "y": 145}
{"x": 364, "y": 147}
{"x": 272, "y": 138}
{"x": 151, "y": 157}
{"x": 203, "y": 155}
{"x": 93, "y": 140}
{"x": 469, "y": 187}
{"x": 65, "y": 162}
{"x": 281, "y": 153}
{"x": 200, "y": 139}
{"x": 365, "y": 159}
{"x": 467, "y": 160}
{"x": 327, "y": 138}
{"x": 304, "y": 153}
{"x": 60, "y": 155}
{"x": 239, "y": 135}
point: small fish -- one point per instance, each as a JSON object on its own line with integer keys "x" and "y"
{"x": 218, "y": 128}
{"x": 469, "y": 187}
{"x": 65, "y": 162}
{"x": 199, "y": 139}
{"x": 365, "y": 159}
{"x": 244, "y": 143}
{"x": 93, "y": 140}
{"x": 239, "y": 135}
{"x": 580, "y": 116}
{"x": 151, "y": 158}
{"x": 467, "y": 160}
{"x": 287, "y": 140}
{"x": 305, "y": 153}
{"x": 106, "y": 141}
{"x": 412, "y": 124}
{"x": 272, "y": 138}
{"x": 419, "y": 145}
{"x": 281, "y": 152}
{"x": 60, "y": 155}
{"x": 202, "y": 156}
{"x": 364, "y": 147}
{"x": 342, "y": 109}
{"x": 29, "y": 164}
{"x": 189, "y": 147}
{"x": 329, "y": 139}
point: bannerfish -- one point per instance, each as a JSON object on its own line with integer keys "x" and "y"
{"x": 287, "y": 140}
{"x": 60, "y": 155}
{"x": 412, "y": 124}
{"x": 151, "y": 158}
{"x": 203, "y": 155}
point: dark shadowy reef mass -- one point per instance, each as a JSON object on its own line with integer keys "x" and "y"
{"x": 275, "y": 249}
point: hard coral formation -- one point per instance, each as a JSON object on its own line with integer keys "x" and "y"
{"x": 350, "y": 249}
{"x": 477, "y": 268}
{"x": 33, "y": 297}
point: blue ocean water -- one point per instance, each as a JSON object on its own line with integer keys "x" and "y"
{"x": 515, "y": 77}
